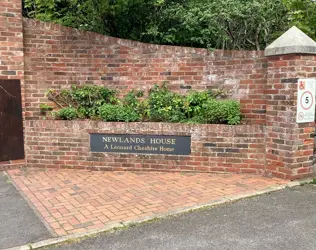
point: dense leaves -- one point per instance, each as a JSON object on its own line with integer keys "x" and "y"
{"x": 118, "y": 113}
{"x": 224, "y": 24}
{"x": 161, "y": 105}
{"x": 68, "y": 113}
{"x": 302, "y": 13}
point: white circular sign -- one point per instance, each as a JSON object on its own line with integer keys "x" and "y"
{"x": 307, "y": 100}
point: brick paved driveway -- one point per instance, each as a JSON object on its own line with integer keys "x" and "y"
{"x": 72, "y": 201}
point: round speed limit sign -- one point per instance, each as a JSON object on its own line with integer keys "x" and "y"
{"x": 305, "y": 109}
{"x": 307, "y": 100}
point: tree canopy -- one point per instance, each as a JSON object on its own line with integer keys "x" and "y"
{"x": 221, "y": 24}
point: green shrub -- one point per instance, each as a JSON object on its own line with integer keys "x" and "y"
{"x": 90, "y": 97}
{"x": 222, "y": 111}
{"x": 131, "y": 99}
{"x": 67, "y": 113}
{"x": 194, "y": 103}
{"x": 119, "y": 113}
{"x": 45, "y": 108}
{"x": 162, "y": 105}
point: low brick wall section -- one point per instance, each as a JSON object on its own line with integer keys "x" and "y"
{"x": 60, "y": 144}
{"x": 12, "y": 164}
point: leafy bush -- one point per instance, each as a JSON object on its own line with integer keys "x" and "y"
{"x": 194, "y": 103}
{"x": 86, "y": 99}
{"x": 68, "y": 113}
{"x": 45, "y": 108}
{"x": 225, "y": 111}
{"x": 131, "y": 99}
{"x": 161, "y": 105}
{"x": 118, "y": 113}
{"x": 90, "y": 98}
{"x": 164, "y": 105}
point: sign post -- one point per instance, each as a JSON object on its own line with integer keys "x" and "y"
{"x": 306, "y": 100}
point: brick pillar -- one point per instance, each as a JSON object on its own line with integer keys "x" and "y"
{"x": 289, "y": 145}
{"x": 11, "y": 40}
{"x": 11, "y": 50}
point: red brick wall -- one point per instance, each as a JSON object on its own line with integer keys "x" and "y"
{"x": 55, "y": 144}
{"x": 289, "y": 149}
{"x": 11, "y": 52}
{"x": 48, "y": 56}
{"x": 11, "y": 40}
{"x": 56, "y": 57}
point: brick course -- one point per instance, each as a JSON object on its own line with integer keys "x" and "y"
{"x": 220, "y": 148}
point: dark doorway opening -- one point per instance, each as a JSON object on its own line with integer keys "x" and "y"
{"x": 11, "y": 124}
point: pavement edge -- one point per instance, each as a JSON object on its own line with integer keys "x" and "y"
{"x": 37, "y": 213}
{"x": 94, "y": 232}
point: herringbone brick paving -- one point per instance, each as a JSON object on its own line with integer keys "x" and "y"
{"x": 73, "y": 201}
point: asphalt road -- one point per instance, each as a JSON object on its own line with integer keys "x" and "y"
{"x": 280, "y": 220}
{"x": 18, "y": 223}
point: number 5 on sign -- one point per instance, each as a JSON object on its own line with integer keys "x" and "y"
{"x": 306, "y": 100}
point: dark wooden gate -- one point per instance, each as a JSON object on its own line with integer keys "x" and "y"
{"x": 11, "y": 125}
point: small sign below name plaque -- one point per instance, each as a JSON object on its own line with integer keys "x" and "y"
{"x": 141, "y": 144}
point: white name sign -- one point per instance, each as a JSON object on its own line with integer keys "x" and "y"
{"x": 306, "y": 100}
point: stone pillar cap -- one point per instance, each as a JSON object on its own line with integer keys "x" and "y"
{"x": 294, "y": 41}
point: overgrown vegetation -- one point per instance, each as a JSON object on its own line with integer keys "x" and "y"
{"x": 161, "y": 105}
{"x": 223, "y": 24}
{"x": 45, "y": 108}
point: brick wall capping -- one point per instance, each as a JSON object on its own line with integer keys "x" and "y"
{"x": 294, "y": 41}
{"x": 143, "y": 127}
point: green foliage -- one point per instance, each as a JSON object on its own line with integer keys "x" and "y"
{"x": 131, "y": 99}
{"x": 90, "y": 97}
{"x": 226, "y": 111}
{"x": 85, "y": 99}
{"x": 302, "y": 13}
{"x": 194, "y": 103}
{"x": 228, "y": 24}
{"x": 120, "y": 18}
{"x": 196, "y": 107}
{"x": 118, "y": 113}
{"x": 45, "y": 108}
{"x": 68, "y": 113}
{"x": 161, "y": 105}
{"x": 313, "y": 182}
{"x": 164, "y": 105}
{"x": 223, "y": 24}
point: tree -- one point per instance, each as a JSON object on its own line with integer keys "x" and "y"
{"x": 302, "y": 13}
{"x": 225, "y": 24}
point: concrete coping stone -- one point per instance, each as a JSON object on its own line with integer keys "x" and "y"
{"x": 294, "y": 41}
